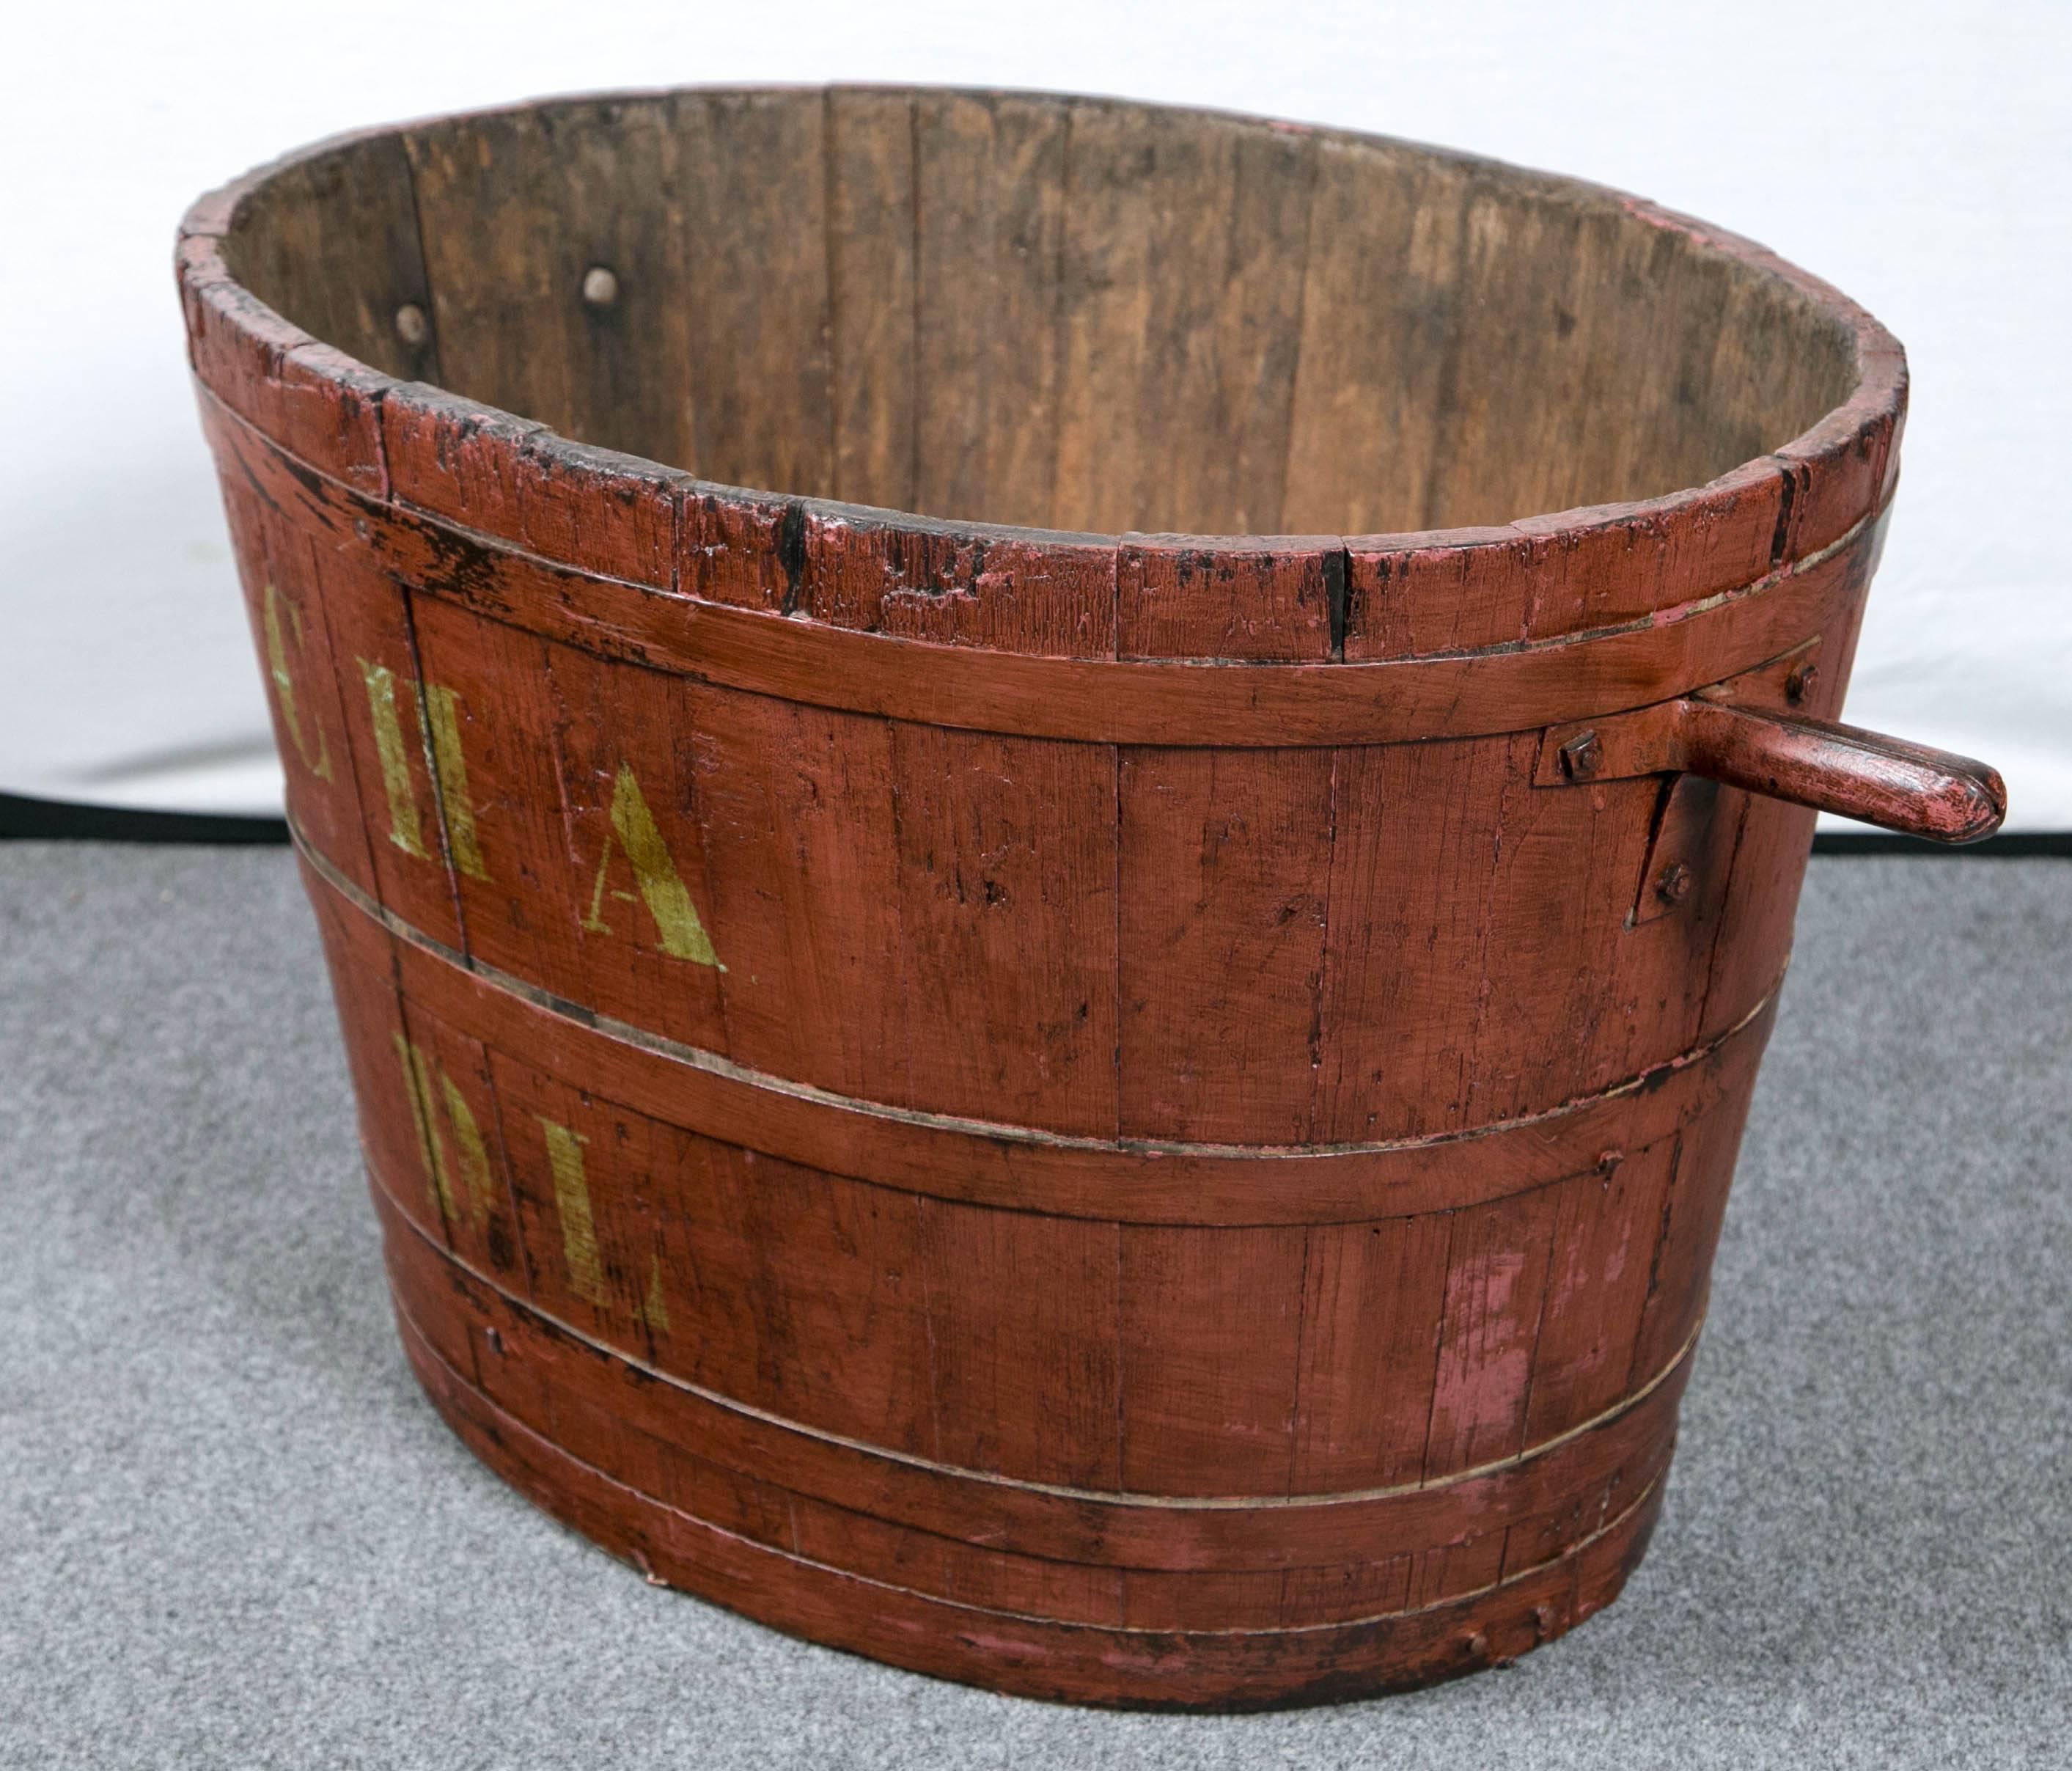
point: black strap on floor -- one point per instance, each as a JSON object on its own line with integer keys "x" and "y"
{"x": 57, "y": 820}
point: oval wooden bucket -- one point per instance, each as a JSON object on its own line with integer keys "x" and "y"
{"x": 1108, "y": 1108}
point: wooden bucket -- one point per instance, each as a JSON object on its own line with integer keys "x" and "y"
{"x": 1125, "y": 1116}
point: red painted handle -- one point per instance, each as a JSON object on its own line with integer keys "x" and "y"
{"x": 1864, "y": 775}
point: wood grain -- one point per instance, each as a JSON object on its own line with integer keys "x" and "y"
{"x": 1030, "y": 1656}
{"x": 536, "y": 1358}
{"x": 1384, "y": 243}
{"x": 1136, "y": 1109}
{"x": 1184, "y": 247}
{"x": 1126, "y": 1180}
{"x": 335, "y": 239}
{"x": 874, "y": 315}
{"x": 1208, "y": 703}
{"x": 291, "y": 638}
{"x": 752, "y": 180}
{"x": 990, "y": 173}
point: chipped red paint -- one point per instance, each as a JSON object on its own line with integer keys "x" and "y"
{"x": 1123, "y": 1117}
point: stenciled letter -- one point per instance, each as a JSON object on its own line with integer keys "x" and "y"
{"x": 682, "y": 935}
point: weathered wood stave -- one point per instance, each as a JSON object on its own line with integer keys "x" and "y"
{"x": 962, "y": 826}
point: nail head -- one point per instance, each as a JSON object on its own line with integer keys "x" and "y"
{"x": 1580, "y": 755}
{"x": 600, "y": 286}
{"x": 411, "y": 325}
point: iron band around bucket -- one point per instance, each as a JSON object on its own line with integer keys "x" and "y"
{"x": 533, "y": 1461}
{"x": 1053, "y": 1520}
{"x": 1019, "y": 1167}
{"x": 1177, "y": 702}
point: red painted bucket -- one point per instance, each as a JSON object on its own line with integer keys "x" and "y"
{"x": 954, "y": 1051}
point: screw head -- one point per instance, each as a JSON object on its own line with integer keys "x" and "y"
{"x": 1673, "y": 884}
{"x": 411, "y": 325}
{"x": 1582, "y": 756}
{"x": 600, "y": 286}
{"x": 1799, "y": 686}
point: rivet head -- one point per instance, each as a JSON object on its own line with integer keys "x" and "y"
{"x": 600, "y": 287}
{"x": 1580, "y": 756}
{"x": 1478, "y": 1644}
{"x": 1673, "y": 885}
{"x": 411, "y": 325}
{"x": 1799, "y": 686}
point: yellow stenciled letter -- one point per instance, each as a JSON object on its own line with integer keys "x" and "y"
{"x": 439, "y": 725}
{"x": 443, "y": 729}
{"x": 655, "y": 1308}
{"x": 565, "y": 1157}
{"x": 418, "y": 1072}
{"x": 284, "y": 687}
{"x": 655, "y": 871}
{"x": 467, "y": 1141}
{"x": 403, "y": 824}
{"x": 417, "y": 1084}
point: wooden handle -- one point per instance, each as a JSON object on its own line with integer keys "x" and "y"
{"x": 1864, "y": 775}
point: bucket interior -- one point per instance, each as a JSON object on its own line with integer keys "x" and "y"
{"x": 1066, "y": 314}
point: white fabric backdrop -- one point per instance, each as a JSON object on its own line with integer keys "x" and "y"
{"x": 1917, "y": 155}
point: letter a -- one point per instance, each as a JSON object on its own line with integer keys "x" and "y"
{"x": 654, "y": 871}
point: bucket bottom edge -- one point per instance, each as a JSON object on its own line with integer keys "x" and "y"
{"x": 1017, "y": 1655}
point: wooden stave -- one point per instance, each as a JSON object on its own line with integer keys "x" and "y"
{"x": 1020, "y": 1168}
{"x": 1696, "y": 642}
{"x": 526, "y": 1364}
{"x": 1863, "y": 452}
{"x": 416, "y": 895}
{"x": 1840, "y": 468}
{"x": 1005, "y": 1652}
{"x": 1657, "y": 1324}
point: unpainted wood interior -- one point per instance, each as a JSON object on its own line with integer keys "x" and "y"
{"x": 1066, "y": 313}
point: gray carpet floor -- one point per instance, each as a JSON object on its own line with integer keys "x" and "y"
{"x": 232, "y": 1533}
